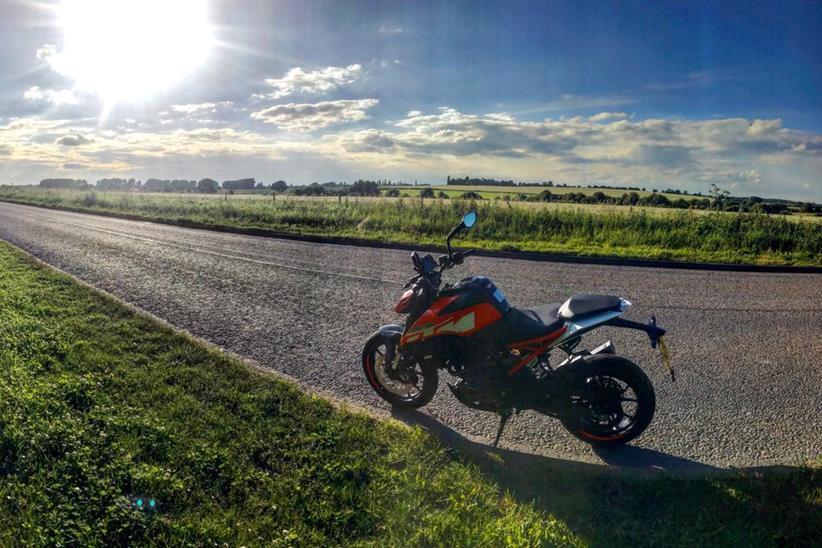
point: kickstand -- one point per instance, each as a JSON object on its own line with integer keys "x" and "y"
{"x": 503, "y": 418}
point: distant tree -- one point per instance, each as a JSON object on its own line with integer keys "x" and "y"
{"x": 545, "y": 196}
{"x": 471, "y": 195}
{"x": 657, "y": 200}
{"x": 258, "y": 186}
{"x": 117, "y": 184}
{"x": 240, "y": 184}
{"x": 157, "y": 185}
{"x": 208, "y": 186}
{"x": 392, "y": 193}
{"x": 718, "y": 196}
{"x": 279, "y": 186}
{"x": 442, "y": 195}
{"x": 427, "y": 193}
{"x": 314, "y": 189}
{"x": 365, "y": 188}
{"x": 182, "y": 185}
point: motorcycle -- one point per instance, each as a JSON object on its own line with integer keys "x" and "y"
{"x": 500, "y": 356}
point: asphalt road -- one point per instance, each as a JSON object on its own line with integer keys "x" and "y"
{"x": 746, "y": 346}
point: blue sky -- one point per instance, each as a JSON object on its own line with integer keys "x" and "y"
{"x": 655, "y": 94}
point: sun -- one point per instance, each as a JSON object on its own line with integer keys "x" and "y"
{"x": 129, "y": 50}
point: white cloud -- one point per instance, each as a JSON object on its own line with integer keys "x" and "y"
{"x": 200, "y": 108}
{"x": 54, "y": 59}
{"x": 390, "y": 30}
{"x": 310, "y": 116}
{"x": 748, "y": 156}
{"x": 740, "y": 153}
{"x": 607, "y": 116}
{"x": 569, "y": 102}
{"x": 55, "y": 97}
{"x": 313, "y": 82}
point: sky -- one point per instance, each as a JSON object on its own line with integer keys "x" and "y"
{"x": 649, "y": 94}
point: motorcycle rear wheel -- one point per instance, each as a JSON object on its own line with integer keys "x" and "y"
{"x": 613, "y": 401}
{"x": 421, "y": 383}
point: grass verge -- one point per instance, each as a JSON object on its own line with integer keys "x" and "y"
{"x": 586, "y": 231}
{"x": 101, "y": 407}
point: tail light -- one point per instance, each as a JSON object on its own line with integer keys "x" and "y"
{"x": 404, "y": 302}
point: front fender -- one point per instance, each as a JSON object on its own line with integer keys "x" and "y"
{"x": 388, "y": 335}
{"x": 391, "y": 332}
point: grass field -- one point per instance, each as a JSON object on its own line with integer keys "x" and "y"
{"x": 101, "y": 408}
{"x": 554, "y": 228}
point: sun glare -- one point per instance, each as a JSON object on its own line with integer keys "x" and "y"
{"x": 128, "y": 50}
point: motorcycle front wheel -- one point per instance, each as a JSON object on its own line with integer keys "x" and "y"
{"x": 612, "y": 401}
{"x": 410, "y": 387}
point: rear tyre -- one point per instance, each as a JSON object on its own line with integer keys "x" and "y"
{"x": 410, "y": 388}
{"x": 612, "y": 401}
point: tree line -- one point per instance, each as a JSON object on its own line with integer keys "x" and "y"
{"x": 203, "y": 186}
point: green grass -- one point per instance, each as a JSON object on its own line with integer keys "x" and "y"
{"x": 100, "y": 406}
{"x": 593, "y": 230}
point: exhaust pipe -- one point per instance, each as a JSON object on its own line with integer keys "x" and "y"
{"x": 605, "y": 348}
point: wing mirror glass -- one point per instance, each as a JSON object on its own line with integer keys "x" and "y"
{"x": 469, "y": 219}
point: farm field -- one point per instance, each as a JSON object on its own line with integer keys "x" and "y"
{"x": 585, "y": 230}
{"x": 105, "y": 410}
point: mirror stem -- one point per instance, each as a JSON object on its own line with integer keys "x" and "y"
{"x": 451, "y": 235}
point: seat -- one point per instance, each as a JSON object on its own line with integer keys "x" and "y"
{"x": 583, "y": 304}
{"x": 524, "y": 324}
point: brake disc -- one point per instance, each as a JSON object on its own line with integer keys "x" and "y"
{"x": 389, "y": 381}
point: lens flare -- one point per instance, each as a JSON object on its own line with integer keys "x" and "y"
{"x": 128, "y": 50}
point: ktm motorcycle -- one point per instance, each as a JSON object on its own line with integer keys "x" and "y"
{"x": 500, "y": 356}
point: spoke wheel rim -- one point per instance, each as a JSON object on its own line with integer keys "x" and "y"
{"x": 612, "y": 406}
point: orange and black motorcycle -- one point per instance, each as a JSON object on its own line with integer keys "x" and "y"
{"x": 500, "y": 355}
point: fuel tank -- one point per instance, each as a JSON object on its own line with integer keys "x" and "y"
{"x": 464, "y": 309}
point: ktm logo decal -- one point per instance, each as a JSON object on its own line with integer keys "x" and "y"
{"x": 450, "y": 326}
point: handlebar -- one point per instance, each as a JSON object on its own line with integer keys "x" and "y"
{"x": 446, "y": 262}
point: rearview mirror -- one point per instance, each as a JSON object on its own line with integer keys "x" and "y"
{"x": 468, "y": 220}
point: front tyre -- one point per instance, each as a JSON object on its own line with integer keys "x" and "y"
{"x": 408, "y": 387}
{"x": 612, "y": 400}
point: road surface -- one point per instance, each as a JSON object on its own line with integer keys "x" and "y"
{"x": 747, "y": 346}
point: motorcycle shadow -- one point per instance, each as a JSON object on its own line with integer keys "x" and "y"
{"x": 628, "y": 458}
{"x": 591, "y": 498}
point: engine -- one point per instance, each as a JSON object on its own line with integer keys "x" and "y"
{"x": 481, "y": 385}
